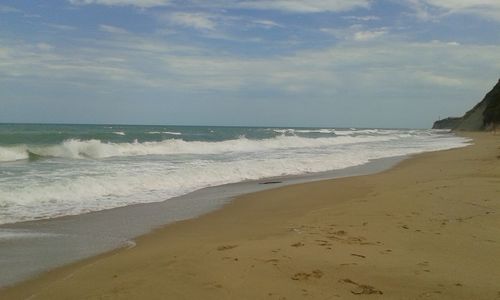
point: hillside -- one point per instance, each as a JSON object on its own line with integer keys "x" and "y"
{"x": 483, "y": 116}
{"x": 447, "y": 123}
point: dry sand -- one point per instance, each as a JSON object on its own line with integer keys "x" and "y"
{"x": 427, "y": 229}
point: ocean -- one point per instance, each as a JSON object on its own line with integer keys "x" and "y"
{"x": 49, "y": 171}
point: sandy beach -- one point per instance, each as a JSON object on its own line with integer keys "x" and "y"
{"x": 428, "y": 228}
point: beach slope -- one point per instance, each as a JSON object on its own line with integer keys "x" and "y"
{"x": 428, "y": 228}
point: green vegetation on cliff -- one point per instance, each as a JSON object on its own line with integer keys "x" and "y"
{"x": 484, "y": 116}
{"x": 447, "y": 123}
{"x": 492, "y": 112}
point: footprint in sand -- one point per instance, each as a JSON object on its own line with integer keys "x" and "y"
{"x": 213, "y": 285}
{"x": 273, "y": 261}
{"x": 317, "y": 274}
{"x": 430, "y": 294}
{"x": 298, "y": 244}
{"x": 279, "y": 297}
{"x": 230, "y": 258}
{"x": 362, "y": 289}
{"x": 301, "y": 276}
{"x": 348, "y": 264}
{"x": 323, "y": 243}
{"x": 226, "y": 247}
{"x": 342, "y": 236}
{"x": 423, "y": 264}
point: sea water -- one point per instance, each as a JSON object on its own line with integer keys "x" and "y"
{"x": 48, "y": 171}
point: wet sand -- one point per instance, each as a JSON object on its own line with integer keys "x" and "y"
{"x": 30, "y": 248}
{"x": 428, "y": 228}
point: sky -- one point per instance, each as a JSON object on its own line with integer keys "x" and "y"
{"x": 316, "y": 63}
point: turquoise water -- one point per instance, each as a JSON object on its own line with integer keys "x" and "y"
{"x": 46, "y": 134}
{"x": 48, "y": 171}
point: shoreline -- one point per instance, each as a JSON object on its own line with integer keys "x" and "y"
{"x": 321, "y": 239}
{"x": 39, "y": 246}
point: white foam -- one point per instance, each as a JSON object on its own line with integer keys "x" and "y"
{"x": 96, "y": 149}
{"x": 165, "y": 132}
{"x": 119, "y": 133}
{"x": 9, "y": 234}
{"x": 95, "y": 185}
{"x": 125, "y": 186}
{"x": 344, "y": 132}
{"x": 293, "y": 131}
{"x": 172, "y": 133}
{"x": 13, "y": 153}
{"x": 324, "y": 131}
{"x": 283, "y": 131}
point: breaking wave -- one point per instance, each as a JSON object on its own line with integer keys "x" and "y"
{"x": 96, "y": 149}
{"x": 91, "y": 175}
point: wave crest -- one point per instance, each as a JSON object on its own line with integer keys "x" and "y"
{"x": 13, "y": 153}
{"x": 96, "y": 149}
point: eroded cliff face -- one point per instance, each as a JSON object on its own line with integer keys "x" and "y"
{"x": 473, "y": 120}
{"x": 492, "y": 111}
{"x": 448, "y": 123}
{"x": 484, "y": 116}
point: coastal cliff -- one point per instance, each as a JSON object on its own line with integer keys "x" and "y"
{"x": 483, "y": 116}
{"x": 448, "y": 123}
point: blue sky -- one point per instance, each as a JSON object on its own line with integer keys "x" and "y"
{"x": 339, "y": 63}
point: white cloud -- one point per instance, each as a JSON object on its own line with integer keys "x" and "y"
{"x": 61, "y": 26}
{"x": 422, "y": 11}
{"x": 362, "y": 36}
{"x": 464, "y": 4}
{"x": 44, "y": 46}
{"x": 295, "y": 6}
{"x": 356, "y": 33}
{"x": 433, "y": 78}
{"x": 362, "y": 18}
{"x": 429, "y": 9}
{"x": 390, "y": 68}
{"x": 310, "y": 6}
{"x": 112, "y": 29}
{"x": 130, "y": 60}
{"x": 4, "y": 52}
{"x": 200, "y": 21}
{"x": 138, "y": 3}
{"x": 8, "y": 9}
{"x": 266, "y": 23}
{"x": 377, "y": 75}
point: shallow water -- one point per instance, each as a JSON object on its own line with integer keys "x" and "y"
{"x": 49, "y": 171}
{"x": 28, "y": 248}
